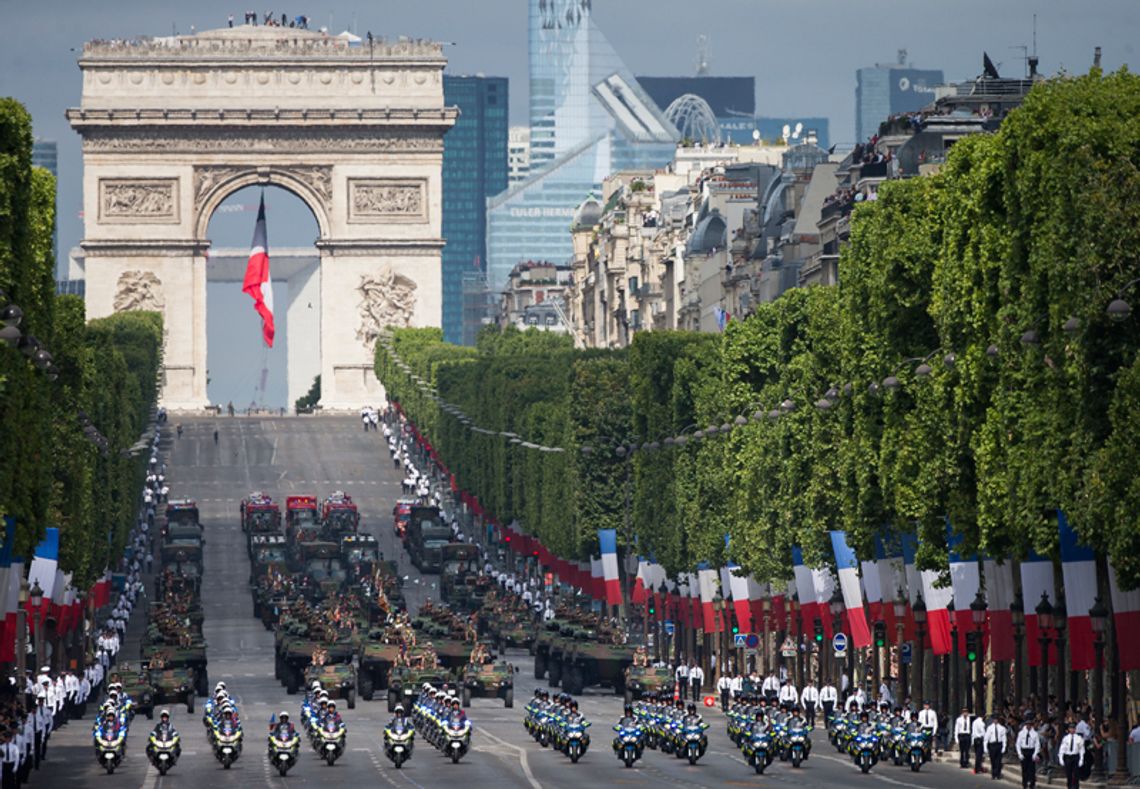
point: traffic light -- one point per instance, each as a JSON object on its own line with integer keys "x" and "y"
{"x": 818, "y": 631}
{"x": 735, "y": 628}
{"x": 971, "y": 646}
{"x": 880, "y": 634}
{"x": 652, "y": 606}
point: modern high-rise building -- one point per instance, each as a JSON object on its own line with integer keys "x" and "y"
{"x": 886, "y": 89}
{"x": 518, "y": 154}
{"x": 588, "y": 118}
{"x": 474, "y": 168}
{"x": 727, "y": 97}
{"x": 46, "y": 155}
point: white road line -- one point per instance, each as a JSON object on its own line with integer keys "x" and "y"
{"x": 151, "y": 778}
{"x": 522, "y": 757}
{"x": 878, "y": 776}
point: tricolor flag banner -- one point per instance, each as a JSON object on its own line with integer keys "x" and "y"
{"x": 965, "y": 581}
{"x": 11, "y": 574}
{"x": 739, "y": 587}
{"x": 847, "y": 565}
{"x": 706, "y": 580}
{"x": 893, "y": 585}
{"x": 757, "y": 592}
{"x": 640, "y": 583}
{"x": 1078, "y": 566}
{"x": 872, "y": 589}
{"x": 823, "y": 582}
{"x": 59, "y": 599}
{"x": 999, "y": 598}
{"x": 805, "y": 593}
{"x": 695, "y": 615}
{"x": 1037, "y": 580}
{"x": 45, "y": 562}
{"x": 611, "y": 579}
{"x": 257, "y": 283}
{"x": 597, "y": 579}
{"x": 1126, "y": 617}
{"x": 935, "y": 597}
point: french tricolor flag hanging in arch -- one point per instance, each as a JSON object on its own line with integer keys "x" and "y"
{"x": 607, "y": 539}
{"x": 848, "y": 567}
{"x": 965, "y": 581}
{"x": 1078, "y": 567}
{"x": 1037, "y": 580}
{"x": 936, "y": 598}
{"x": 257, "y": 284}
{"x": 1126, "y": 617}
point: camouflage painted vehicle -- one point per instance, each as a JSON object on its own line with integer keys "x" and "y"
{"x": 595, "y": 658}
{"x": 267, "y": 555}
{"x": 640, "y": 681}
{"x": 404, "y": 684}
{"x": 322, "y": 564}
{"x": 137, "y": 684}
{"x": 511, "y": 630}
{"x": 269, "y": 603}
{"x": 489, "y": 680}
{"x": 453, "y": 653}
{"x": 458, "y": 575}
{"x": 293, "y": 652}
{"x": 339, "y": 679}
{"x": 544, "y": 652}
{"x": 174, "y": 686}
{"x": 191, "y": 657}
{"x": 378, "y": 654}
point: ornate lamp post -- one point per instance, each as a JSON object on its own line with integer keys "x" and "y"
{"x": 1044, "y": 612}
{"x": 919, "y": 608}
{"x": 36, "y": 598}
{"x": 836, "y": 606}
{"x": 1098, "y": 615}
{"x": 900, "y": 626}
{"x": 1017, "y": 609}
{"x": 22, "y": 637}
{"x": 766, "y": 608}
{"x": 1060, "y": 616}
{"x": 978, "y": 616}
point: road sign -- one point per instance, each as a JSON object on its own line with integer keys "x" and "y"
{"x": 906, "y": 653}
{"x": 788, "y": 648}
{"x": 839, "y": 643}
{"x": 670, "y": 628}
{"x": 752, "y": 641}
{"x": 739, "y": 640}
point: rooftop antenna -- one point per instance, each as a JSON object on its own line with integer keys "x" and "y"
{"x": 1033, "y": 60}
{"x": 702, "y": 55}
{"x": 901, "y": 54}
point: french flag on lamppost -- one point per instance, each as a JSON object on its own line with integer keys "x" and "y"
{"x": 639, "y": 596}
{"x": 611, "y": 578}
{"x": 1037, "y": 580}
{"x": 706, "y": 579}
{"x": 1126, "y": 618}
{"x": 805, "y": 591}
{"x": 965, "y": 581}
{"x": 999, "y": 596}
{"x": 893, "y": 584}
{"x": 45, "y": 562}
{"x": 257, "y": 284}
{"x": 11, "y": 574}
{"x": 847, "y": 565}
{"x": 1078, "y": 567}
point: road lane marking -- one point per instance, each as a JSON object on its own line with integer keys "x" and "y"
{"x": 880, "y": 777}
{"x": 522, "y": 757}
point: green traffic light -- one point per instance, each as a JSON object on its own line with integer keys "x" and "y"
{"x": 971, "y": 656}
{"x": 735, "y": 630}
{"x": 879, "y": 642}
{"x": 819, "y": 636}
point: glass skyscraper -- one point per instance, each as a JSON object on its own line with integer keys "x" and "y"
{"x": 887, "y": 89}
{"x": 474, "y": 168}
{"x": 45, "y": 154}
{"x": 588, "y": 118}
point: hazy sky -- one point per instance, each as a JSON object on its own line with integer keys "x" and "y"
{"x": 803, "y": 53}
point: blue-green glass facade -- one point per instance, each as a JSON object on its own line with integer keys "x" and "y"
{"x": 474, "y": 168}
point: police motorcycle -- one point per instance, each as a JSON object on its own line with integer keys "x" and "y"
{"x": 865, "y": 745}
{"x": 163, "y": 747}
{"x": 284, "y": 744}
{"x": 110, "y": 738}
{"x": 399, "y": 738}
{"x": 330, "y": 735}
{"x": 896, "y": 745}
{"x": 757, "y": 746}
{"x": 917, "y": 746}
{"x": 227, "y": 736}
{"x": 692, "y": 740}
{"x": 538, "y": 718}
{"x": 795, "y": 741}
{"x": 630, "y": 740}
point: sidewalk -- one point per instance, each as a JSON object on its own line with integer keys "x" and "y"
{"x": 1011, "y": 771}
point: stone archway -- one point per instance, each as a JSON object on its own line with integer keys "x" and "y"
{"x": 173, "y": 125}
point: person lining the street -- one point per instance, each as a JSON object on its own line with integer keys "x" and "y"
{"x": 962, "y": 730}
{"x": 682, "y": 677}
{"x": 828, "y": 698}
{"x": 696, "y": 680}
{"x": 1028, "y": 747}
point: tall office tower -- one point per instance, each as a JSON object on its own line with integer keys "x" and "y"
{"x": 886, "y": 89}
{"x": 518, "y": 154}
{"x": 588, "y": 118}
{"x": 474, "y": 168}
{"x": 45, "y": 154}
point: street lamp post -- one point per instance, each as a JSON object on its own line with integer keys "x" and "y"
{"x": 836, "y": 606}
{"x": 978, "y": 615}
{"x": 956, "y": 663}
{"x": 1044, "y": 612}
{"x": 36, "y": 598}
{"x": 766, "y": 608}
{"x": 900, "y": 627}
{"x": 919, "y": 609}
{"x": 1098, "y": 615}
{"x": 1059, "y": 622}
{"x": 22, "y": 637}
{"x": 1017, "y": 609}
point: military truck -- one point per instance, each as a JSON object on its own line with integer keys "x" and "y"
{"x": 459, "y": 567}
{"x": 259, "y": 516}
{"x": 339, "y": 679}
{"x": 174, "y": 686}
{"x": 321, "y": 562}
{"x": 184, "y": 561}
{"x": 192, "y": 656}
{"x": 595, "y": 659}
{"x": 135, "y": 678}
{"x": 293, "y": 652}
{"x": 302, "y": 519}
{"x": 404, "y": 684}
{"x": 641, "y": 681}
{"x": 402, "y": 515}
{"x": 182, "y": 512}
{"x": 489, "y": 680}
{"x": 425, "y": 539}
{"x": 339, "y": 516}
{"x": 361, "y": 555}
{"x": 267, "y": 555}
{"x": 378, "y": 653}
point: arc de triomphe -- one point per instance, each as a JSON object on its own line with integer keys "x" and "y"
{"x": 172, "y": 126}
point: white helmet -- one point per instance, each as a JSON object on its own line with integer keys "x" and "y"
{"x": 316, "y": 684}
{"x": 219, "y": 686}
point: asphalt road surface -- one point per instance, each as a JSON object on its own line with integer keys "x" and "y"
{"x": 317, "y": 455}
